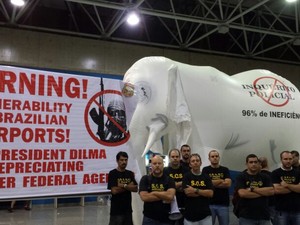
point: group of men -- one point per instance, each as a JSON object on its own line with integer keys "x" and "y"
{"x": 203, "y": 195}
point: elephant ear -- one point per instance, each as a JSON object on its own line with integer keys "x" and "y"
{"x": 177, "y": 109}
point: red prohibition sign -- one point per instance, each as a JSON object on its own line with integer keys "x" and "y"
{"x": 87, "y": 124}
{"x": 268, "y": 99}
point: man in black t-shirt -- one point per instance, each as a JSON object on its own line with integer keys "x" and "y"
{"x": 295, "y": 163}
{"x": 198, "y": 189}
{"x": 219, "y": 204}
{"x": 265, "y": 169}
{"x": 121, "y": 182}
{"x": 176, "y": 171}
{"x": 254, "y": 188}
{"x": 185, "y": 151}
{"x": 286, "y": 181}
{"x": 157, "y": 190}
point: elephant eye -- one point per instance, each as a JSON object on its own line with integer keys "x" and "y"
{"x": 144, "y": 92}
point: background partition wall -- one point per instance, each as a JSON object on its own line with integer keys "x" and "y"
{"x": 60, "y": 52}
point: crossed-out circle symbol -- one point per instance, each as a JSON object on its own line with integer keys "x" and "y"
{"x": 268, "y": 99}
{"x": 109, "y": 117}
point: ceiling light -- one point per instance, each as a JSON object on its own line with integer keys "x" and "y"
{"x": 290, "y": 0}
{"x": 17, "y": 2}
{"x": 133, "y": 19}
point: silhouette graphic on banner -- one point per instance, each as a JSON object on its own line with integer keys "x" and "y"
{"x": 113, "y": 129}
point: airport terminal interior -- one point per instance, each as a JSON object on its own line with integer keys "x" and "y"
{"x": 93, "y": 37}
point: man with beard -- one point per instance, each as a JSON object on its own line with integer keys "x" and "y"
{"x": 121, "y": 182}
{"x": 157, "y": 190}
{"x": 185, "y": 154}
{"x": 286, "y": 181}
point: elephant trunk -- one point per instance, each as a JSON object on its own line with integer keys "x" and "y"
{"x": 157, "y": 126}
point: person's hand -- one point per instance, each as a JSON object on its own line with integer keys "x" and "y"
{"x": 283, "y": 183}
{"x": 189, "y": 190}
{"x": 120, "y": 185}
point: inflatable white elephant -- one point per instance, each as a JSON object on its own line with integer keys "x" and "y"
{"x": 255, "y": 111}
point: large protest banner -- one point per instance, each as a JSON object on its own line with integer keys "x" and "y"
{"x": 59, "y": 133}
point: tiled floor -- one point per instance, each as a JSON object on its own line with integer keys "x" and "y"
{"x": 93, "y": 213}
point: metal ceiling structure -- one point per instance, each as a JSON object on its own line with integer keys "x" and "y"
{"x": 254, "y": 29}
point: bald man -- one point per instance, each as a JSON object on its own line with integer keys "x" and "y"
{"x": 157, "y": 190}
